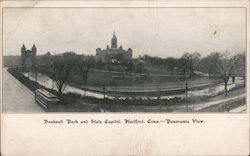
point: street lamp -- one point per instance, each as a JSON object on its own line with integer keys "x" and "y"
{"x": 104, "y": 88}
{"x": 159, "y": 98}
{"x": 35, "y": 74}
{"x": 186, "y": 92}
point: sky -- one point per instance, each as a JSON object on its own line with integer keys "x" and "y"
{"x": 162, "y": 32}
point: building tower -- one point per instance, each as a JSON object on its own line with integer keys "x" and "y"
{"x": 114, "y": 41}
{"x": 23, "y": 51}
{"x": 28, "y": 57}
{"x": 33, "y": 49}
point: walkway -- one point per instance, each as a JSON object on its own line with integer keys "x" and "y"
{"x": 17, "y": 98}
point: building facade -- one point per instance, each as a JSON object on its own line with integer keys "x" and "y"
{"x": 28, "y": 57}
{"x": 113, "y": 54}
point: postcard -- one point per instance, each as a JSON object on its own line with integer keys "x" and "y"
{"x": 125, "y": 78}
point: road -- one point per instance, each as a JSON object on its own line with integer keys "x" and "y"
{"x": 207, "y": 104}
{"x": 17, "y": 98}
{"x": 241, "y": 109}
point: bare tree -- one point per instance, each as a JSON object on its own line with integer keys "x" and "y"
{"x": 208, "y": 65}
{"x": 61, "y": 68}
{"x": 84, "y": 65}
{"x": 226, "y": 65}
{"x": 181, "y": 64}
{"x": 195, "y": 57}
{"x": 46, "y": 58}
{"x": 84, "y": 68}
{"x": 139, "y": 67}
{"x": 171, "y": 64}
{"x": 190, "y": 62}
{"x": 130, "y": 66}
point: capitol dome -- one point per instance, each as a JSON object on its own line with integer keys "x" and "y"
{"x": 114, "y": 41}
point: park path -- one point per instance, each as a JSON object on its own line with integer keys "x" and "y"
{"x": 207, "y": 104}
{"x": 17, "y": 98}
{"x": 240, "y": 109}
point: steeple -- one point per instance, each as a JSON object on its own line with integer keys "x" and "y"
{"x": 23, "y": 47}
{"x": 34, "y": 46}
{"x": 114, "y": 41}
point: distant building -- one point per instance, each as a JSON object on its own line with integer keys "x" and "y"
{"x": 28, "y": 57}
{"x": 113, "y": 54}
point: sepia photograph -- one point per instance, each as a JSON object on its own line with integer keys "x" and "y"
{"x": 124, "y": 78}
{"x": 124, "y": 59}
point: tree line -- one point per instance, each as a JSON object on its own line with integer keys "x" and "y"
{"x": 224, "y": 65}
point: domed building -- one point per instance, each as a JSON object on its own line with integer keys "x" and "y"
{"x": 113, "y": 54}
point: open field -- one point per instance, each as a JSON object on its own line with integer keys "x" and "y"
{"x": 149, "y": 90}
{"x": 77, "y": 103}
{"x": 154, "y": 89}
{"x": 116, "y": 76}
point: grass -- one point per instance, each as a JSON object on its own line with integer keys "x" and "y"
{"x": 115, "y": 76}
{"x": 121, "y": 79}
{"x": 72, "y": 102}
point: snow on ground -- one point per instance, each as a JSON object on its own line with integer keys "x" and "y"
{"x": 214, "y": 90}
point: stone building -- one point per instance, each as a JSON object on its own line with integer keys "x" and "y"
{"x": 28, "y": 57}
{"x": 113, "y": 54}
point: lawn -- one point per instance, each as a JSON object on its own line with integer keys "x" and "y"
{"x": 142, "y": 80}
{"x": 77, "y": 103}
